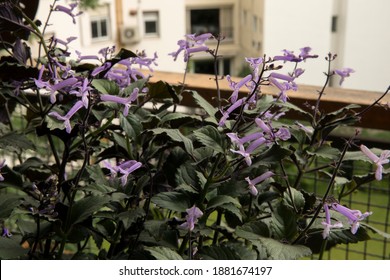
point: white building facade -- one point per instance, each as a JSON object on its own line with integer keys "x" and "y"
{"x": 354, "y": 29}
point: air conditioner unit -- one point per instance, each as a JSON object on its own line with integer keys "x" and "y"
{"x": 129, "y": 35}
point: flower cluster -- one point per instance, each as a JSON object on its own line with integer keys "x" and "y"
{"x": 193, "y": 44}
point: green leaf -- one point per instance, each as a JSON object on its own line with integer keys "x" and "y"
{"x": 258, "y": 228}
{"x": 176, "y": 136}
{"x": 32, "y": 162}
{"x": 205, "y": 105}
{"x": 326, "y": 152}
{"x": 211, "y": 137}
{"x": 163, "y": 253}
{"x": 162, "y": 90}
{"x": 11, "y": 248}
{"x": 275, "y": 154}
{"x": 121, "y": 55}
{"x": 8, "y": 202}
{"x": 232, "y": 209}
{"x": 131, "y": 216}
{"x": 230, "y": 251}
{"x": 105, "y": 86}
{"x": 281, "y": 251}
{"x": 131, "y": 125}
{"x": 86, "y": 206}
{"x": 297, "y": 200}
{"x": 177, "y": 116}
{"x": 15, "y": 142}
{"x": 221, "y": 200}
{"x": 284, "y": 225}
{"x": 187, "y": 178}
{"x": 174, "y": 201}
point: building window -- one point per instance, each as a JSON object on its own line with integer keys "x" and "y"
{"x": 99, "y": 28}
{"x": 206, "y": 66}
{"x": 216, "y": 21}
{"x": 255, "y": 23}
{"x": 334, "y": 23}
{"x": 151, "y": 25}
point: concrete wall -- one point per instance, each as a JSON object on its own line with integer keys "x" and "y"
{"x": 295, "y": 24}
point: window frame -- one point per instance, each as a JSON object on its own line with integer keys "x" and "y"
{"x": 151, "y": 16}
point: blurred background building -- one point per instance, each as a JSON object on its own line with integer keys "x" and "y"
{"x": 357, "y": 30}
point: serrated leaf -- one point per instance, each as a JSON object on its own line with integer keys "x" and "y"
{"x": 131, "y": 125}
{"x": 162, "y": 90}
{"x": 211, "y": 137}
{"x": 232, "y": 209}
{"x": 163, "y": 253}
{"x": 176, "y": 136}
{"x": 131, "y": 216}
{"x": 221, "y": 252}
{"x": 176, "y": 116}
{"x": 274, "y": 154}
{"x": 221, "y": 200}
{"x": 258, "y": 228}
{"x": 283, "y": 224}
{"x": 325, "y": 152}
{"x": 205, "y": 105}
{"x": 86, "y": 206}
{"x": 377, "y": 231}
{"x": 105, "y": 86}
{"x": 15, "y": 142}
{"x": 281, "y": 251}
{"x": 297, "y": 199}
{"x": 174, "y": 201}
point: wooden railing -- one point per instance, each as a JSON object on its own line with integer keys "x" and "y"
{"x": 377, "y": 117}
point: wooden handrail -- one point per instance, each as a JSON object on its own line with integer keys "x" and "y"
{"x": 333, "y": 99}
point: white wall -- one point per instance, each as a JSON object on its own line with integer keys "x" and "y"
{"x": 295, "y": 24}
{"x": 171, "y": 29}
{"x": 367, "y": 44}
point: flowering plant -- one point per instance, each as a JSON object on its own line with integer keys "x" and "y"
{"x": 98, "y": 175}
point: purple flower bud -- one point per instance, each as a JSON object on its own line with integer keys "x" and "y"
{"x": 378, "y": 161}
{"x": 344, "y": 73}
{"x": 252, "y": 183}
{"x": 193, "y": 214}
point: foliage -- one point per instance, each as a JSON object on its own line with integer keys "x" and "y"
{"x": 98, "y": 175}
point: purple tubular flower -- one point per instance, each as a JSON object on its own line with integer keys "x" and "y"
{"x": 378, "y": 161}
{"x": 6, "y": 232}
{"x": 100, "y": 69}
{"x": 126, "y": 101}
{"x": 344, "y": 73}
{"x": 237, "y": 86}
{"x": 246, "y": 153}
{"x": 2, "y": 164}
{"x": 193, "y": 214}
{"x": 68, "y": 116}
{"x": 193, "y": 44}
{"x": 68, "y": 11}
{"x": 287, "y": 56}
{"x": 327, "y": 223}
{"x": 281, "y": 77}
{"x": 127, "y": 168}
{"x": 353, "y": 216}
{"x": 252, "y": 183}
{"x": 226, "y": 114}
{"x": 83, "y": 92}
{"x": 305, "y": 53}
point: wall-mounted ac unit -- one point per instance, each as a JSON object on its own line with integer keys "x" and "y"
{"x": 129, "y": 35}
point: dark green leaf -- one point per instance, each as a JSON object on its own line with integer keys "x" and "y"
{"x": 105, "y": 86}
{"x": 211, "y": 137}
{"x": 86, "y": 206}
{"x": 221, "y": 200}
{"x": 131, "y": 125}
{"x": 297, "y": 199}
{"x": 176, "y": 136}
{"x": 205, "y": 105}
{"x": 131, "y": 216}
{"x": 326, "y": 152}
{"x": 15, "y": 142}
{"x": 163, "y": 90}
{"x": 11, "y": 248}
{"x": 8, "y": 202}
{"x": 174, "y": 201}
{"x": 283, "y": 224}
{"x": 221, "y": 252}
{"x": 177, "y": 116}
{"x": 281, "y": 251}
{"x": 163, "y": 253}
